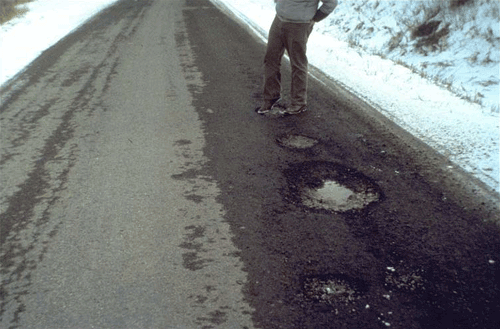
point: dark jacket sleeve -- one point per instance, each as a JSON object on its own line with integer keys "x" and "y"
{"x": 319, "y": 16}
{"x": 326, "y": 9}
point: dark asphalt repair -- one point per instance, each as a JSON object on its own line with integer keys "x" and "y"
{"x": 423, "y": 254}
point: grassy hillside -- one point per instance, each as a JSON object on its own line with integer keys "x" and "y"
{"x": 456, "y": 43}
{"x": 10, "y": 9}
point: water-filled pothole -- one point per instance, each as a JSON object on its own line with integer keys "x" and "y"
{"x": 330, "y": 186}
{"x": 296, "y": 141}
{"x": 333, "y": 289}
{"x": 336, "y": 197}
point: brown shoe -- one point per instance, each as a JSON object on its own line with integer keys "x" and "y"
{"x": 294, "y": 110}
{"x": 267, "y": 106}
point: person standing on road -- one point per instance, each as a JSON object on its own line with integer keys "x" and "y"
{"x": 290, "y": 31}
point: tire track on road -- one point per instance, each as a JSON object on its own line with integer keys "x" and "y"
{"x": 40, "y": 143}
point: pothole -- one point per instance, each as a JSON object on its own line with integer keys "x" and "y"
{"x": 333, "y": 289}
{"x": 330, "y": 186}
{"x": 296, "y": 141}
{"x": 333, "y": 196}
{"x": 402, "y": 279}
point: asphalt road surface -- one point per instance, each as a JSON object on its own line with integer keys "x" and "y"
{"x": 139, "y": 189}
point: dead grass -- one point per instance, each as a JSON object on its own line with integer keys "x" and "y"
{"x": 460, "y": 3}
{"x": 10, "y": 9}
{"x": 433, "y": 27}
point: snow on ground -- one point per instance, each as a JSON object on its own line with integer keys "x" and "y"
{"x": 358, "y": 46}
{"x": 23, "y": 39}
{"x": 352, "y": 47}
{"x": 466, "y": 58}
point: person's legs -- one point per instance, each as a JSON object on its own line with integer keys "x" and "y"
{"x": 272, "y": 63}
{"x": 296, "y": 37}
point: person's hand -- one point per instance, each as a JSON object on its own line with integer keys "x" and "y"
{"x": 319, "y": 16}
